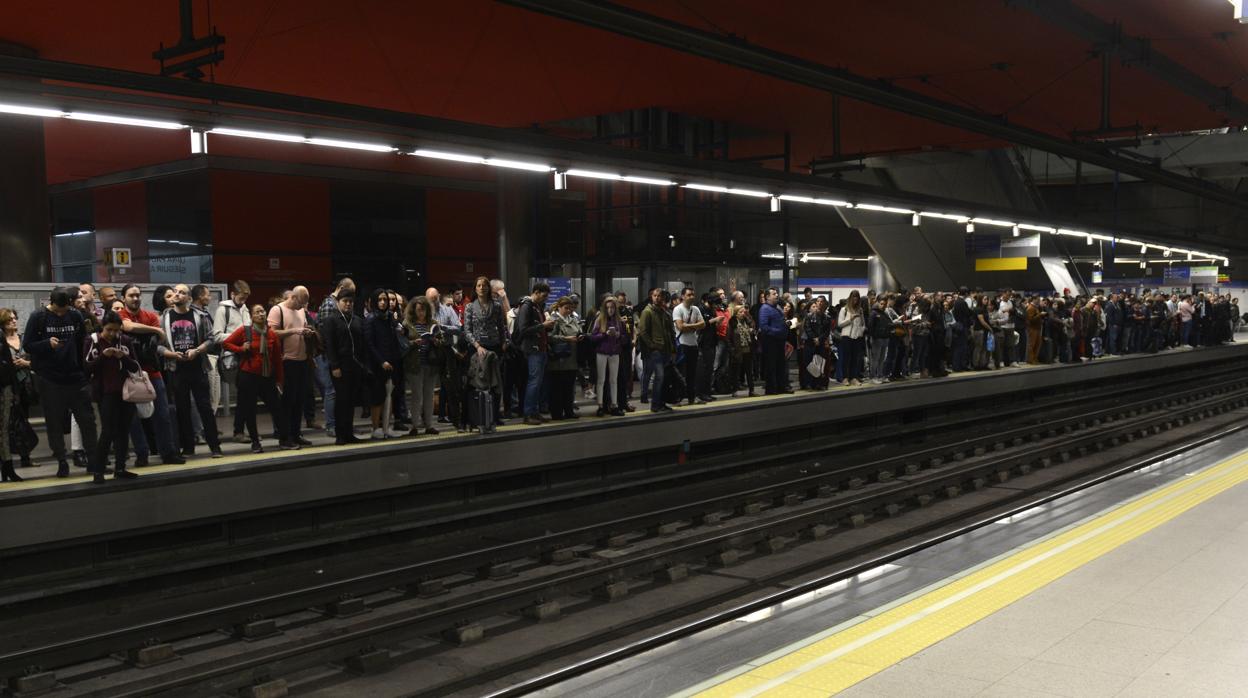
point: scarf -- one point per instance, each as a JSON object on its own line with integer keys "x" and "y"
{"x": 266, "y": 366}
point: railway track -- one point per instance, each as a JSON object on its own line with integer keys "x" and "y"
{"x": 309, "y": 637}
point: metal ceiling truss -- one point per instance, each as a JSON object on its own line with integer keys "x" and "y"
{"x": 737, "y": 52}
{"x": 204, "y": 106}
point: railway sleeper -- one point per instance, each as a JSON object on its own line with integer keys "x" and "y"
{"x": 465, "y": 634}
{"x": 369, "y": 661}
{"x": 256, "y": 629}
{"x": 277, "y": 688}
{"x": 33, "y": 683}
{"x": 150, "y": 654}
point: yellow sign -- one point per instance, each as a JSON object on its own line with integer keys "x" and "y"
{"x": 119, "y": 257}
{"x": 1001, "y": 264}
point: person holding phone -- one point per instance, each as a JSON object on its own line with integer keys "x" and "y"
{"x": 109, "y": 359}
{"x": 608, "y": 341}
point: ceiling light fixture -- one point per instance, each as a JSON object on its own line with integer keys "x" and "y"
{"x": 885, "y": 209}
{"x": 260, "y": 135}
{"x": 945, "y": 216}
{"x": 990, "y": 221}
{"x": 352, "y": 145}
{"x": 30, "y": 111}
{"x": 914, "y": 220}
{"x": 1015, "y": 231}
{"x": 124, "y": 120}
{"x": 970, "y": 227}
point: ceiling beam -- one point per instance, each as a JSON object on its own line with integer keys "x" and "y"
{"x": 736, "y": 52}
{"x": 205, "y": 105}
{"x": 1136, "y": 51}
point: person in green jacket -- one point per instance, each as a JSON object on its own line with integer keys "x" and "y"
{"x": 656, "y": 337}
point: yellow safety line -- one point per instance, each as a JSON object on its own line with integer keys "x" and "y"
{"x": 826, "y": 664}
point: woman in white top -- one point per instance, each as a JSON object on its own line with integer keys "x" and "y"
{"x": 852, "y": 324}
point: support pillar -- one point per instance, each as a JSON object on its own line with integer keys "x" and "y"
{"x": 24, "y": 234}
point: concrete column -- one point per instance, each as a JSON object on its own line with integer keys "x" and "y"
{"x": 24, "y": 234}
{"x": 879, "y": 278}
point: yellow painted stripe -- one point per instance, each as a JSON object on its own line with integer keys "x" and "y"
{"x": 832, "y": 663}
{"x": 1001, "y": 264}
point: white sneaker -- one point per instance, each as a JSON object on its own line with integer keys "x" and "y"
{"x": 394, "y": 434}
{"x": 589, "y": 395}
{"x": 379, "y": 434}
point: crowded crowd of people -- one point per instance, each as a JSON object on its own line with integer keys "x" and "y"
{"x": 120, "y": 378}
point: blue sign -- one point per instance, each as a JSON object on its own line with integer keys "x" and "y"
{"x": 1178, "y": 275}
{"x": 560, "y": 286}
{"x": 982, "y": 246}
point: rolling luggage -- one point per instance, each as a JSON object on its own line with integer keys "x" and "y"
{"x": 481, "y": 410}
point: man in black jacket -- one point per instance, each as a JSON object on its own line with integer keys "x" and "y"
{"x": 530, "y": 332}
{"x": 962, "y": 319}
{"x": 55, "y": 338}
{"x": 342, "y": 335}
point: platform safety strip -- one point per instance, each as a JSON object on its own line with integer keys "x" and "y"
{"x": 829, "y": 663}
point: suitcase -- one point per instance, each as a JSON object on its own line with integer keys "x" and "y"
{"x": 481, "y": 410}
{"x": 1097, "y": 349}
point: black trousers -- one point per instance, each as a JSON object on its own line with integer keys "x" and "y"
{"x": 251, "y": 387}
{"x": 774, "y": 380}
{"x": 502, "y": 375}
{"x": 689, "y": 369}
{"x": 562, "y": 393}
{"x": 116, "y": 416}
{"x": 58, "y": 402}
{"x": 624, "y": 376}
{"x": 346, "y": 398}
{"x": 296, "y": 385}
{"x": 187, "y": 383}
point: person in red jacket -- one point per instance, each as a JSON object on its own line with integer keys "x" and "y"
{"x": 259, "y": 373}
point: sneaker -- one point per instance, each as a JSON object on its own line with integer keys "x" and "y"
{"x": 79, "y": 458}
{"x": 378, "y": 434}
{"x": 241, "y": 438}
{"x": 394, "y": 433}
{"x": 62, "y": 469}
{"x": 630, "y": 408}
{"x": 661, "y": 409}
{"x": 589, "y": 394}
{"x": 329, "y": 431}
{"x": 430, "y": 431}
{"x": 216, "y": 453}
{"x": 256, "y": 447}
{"x": 443, "y": 420}
{"x": 289, "y": 445}
{"x": 602, "y": 412}
{"x": 125, "y": 475}
{"x": 302, "y": 441}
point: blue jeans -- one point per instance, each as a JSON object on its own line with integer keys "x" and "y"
{"x": 1185, "y": 332}
{"x": 645, "y": 378}
{"x": 533, "y": 388}
{"x": 849, "y": 359}
{"x": 1114, "y": 331}
{"x": 162, "y": 426}
{"x": 656, "y": 363}
{"x": 326, "y": 386}
{"x": 959, "y": 347}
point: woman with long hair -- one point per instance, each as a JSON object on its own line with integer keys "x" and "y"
{"x": 743, "y": 340}
{"x": 852, "y": 323}
{"x": 109, "y": 359}
{"x": 608, "y": 343}
{"x": 420, "y": 365}
{"x": 16, "y": 434}
{"x": 564, "y": 337}
{"x": 382, "y": 351}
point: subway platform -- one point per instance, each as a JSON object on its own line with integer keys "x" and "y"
{"x": 1134, "y": 587}
{"x": 45, "y": 510}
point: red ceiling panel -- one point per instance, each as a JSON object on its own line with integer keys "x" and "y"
{"x": 480, "y": 61}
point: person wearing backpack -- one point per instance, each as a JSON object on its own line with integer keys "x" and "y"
{"x": 258, "y": 350}
{"x": 232, "y": 314}
{"x": 108, "y": 358}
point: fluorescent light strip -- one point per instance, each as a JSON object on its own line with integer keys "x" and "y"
{"x": 885, "y": 209}
{"x": 727, "y": 190}
{"x": 260, "y": 135}
{"x": 592, "y": 174}
{"x": 1037, "y": 228}
{"x": 811, "y": 200}
{"x": 351, "y": 145}
{"x": 945, "y": 216}
{"x": 990, "y": 221}
{"x": 454, "y": 157}
{"x": 67, "y": 235}
{"x": 30, "y": 111}
{"x": 124, "y": 120}
{"x": 518, "y": 165}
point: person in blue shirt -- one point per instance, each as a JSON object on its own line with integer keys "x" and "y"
{"x": 772, "y": 331}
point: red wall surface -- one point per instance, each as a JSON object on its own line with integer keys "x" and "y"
{"x": 461, "y": 228}
{"x": 121, "y": 221}
{"x": 271, "y": 231}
